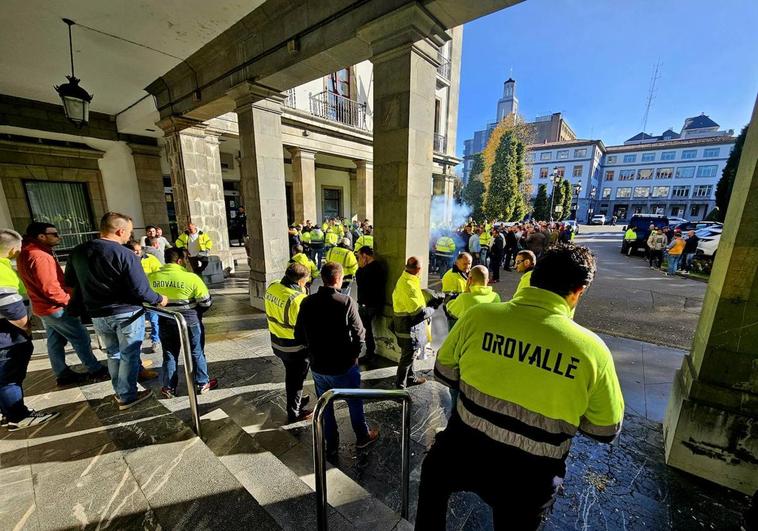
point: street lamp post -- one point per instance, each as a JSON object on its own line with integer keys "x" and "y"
{"x": 591, "y": 209}
{"x": 577, "y": 191}
{"x": 556, "y": 180}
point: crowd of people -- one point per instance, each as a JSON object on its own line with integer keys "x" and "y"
{"x": 108, "y": 282}
{"x": 678, "y": 250}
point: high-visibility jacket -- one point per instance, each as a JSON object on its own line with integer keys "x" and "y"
{"x": 454, "y": 281}
{"x": 630, "y": 235}
{"x": 365, "y": 240}
{"x": 12, "y": 305}
{"x": 324, "y": 226}
{"x": 411, "y": 312}
{"x": 10, "y": 279}
{"x": 305, "y": 237}
{"x": 478, "y": 295}
{"x": 529, "y": 376}
{"x": 445, "y": 244}
{"x": 485, "y": 238}
{"x": 300, "y": 258}
{"x": 524, "y": 282}
{"x": 186, "y": 292}
{"x": 203, "y": 241}
{"x": 150, "y": 264}
{"x": 344, "y": 257}
{"x": 282, "y": 303}
{"x": 332, "y": 236}
{"x": 317, "y": 237}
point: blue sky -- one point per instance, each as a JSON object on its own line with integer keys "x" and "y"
{"x": 593, "y": 61}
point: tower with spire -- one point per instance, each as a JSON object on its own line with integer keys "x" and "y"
{"x": 508, "y": 104}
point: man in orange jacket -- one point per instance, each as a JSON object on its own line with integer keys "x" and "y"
{"x": 43, "y": 278}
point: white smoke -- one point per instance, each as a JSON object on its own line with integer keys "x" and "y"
{"x": 448, "y": 214}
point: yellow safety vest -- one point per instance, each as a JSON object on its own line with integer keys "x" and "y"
{"x": 150, "y": 264}
{"x": 529, "y": 376}
{"x": 10, "y": 280}
{"x": 524, "y": 282}
{"x": 301, "y": 259}
{"x": 203, "y": 241}
{"x": 184, "y": 290}
{"x": 463, "y": 302}
{"x": 282, "y": 306}
{"x": 445, "y": 245}
{"x": 332, "y": 236}
{"x": 630, "y": 235}
{"x": 485, "y": 239}
{"x": 365, "y": 240}
{"x": 305, "y": 237}
{"x": 407, "y": 297}
{"x": 344, "y": 257}
{"x": 453, "y": 281}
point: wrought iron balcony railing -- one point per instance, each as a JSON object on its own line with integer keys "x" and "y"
{"x": 339, "y": 109}
{"x": 289, "y": 100}
{"x": 440, "y": 143}
{"x": 443, "y": 70}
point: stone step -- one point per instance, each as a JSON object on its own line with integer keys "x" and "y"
{"x": 95, "y": 466}
{"x": 355, "y": 504}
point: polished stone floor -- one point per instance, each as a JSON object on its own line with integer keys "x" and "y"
{"x": 144, "y": 469}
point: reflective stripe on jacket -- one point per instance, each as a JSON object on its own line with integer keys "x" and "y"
{"x": 301, "y": 259}
{"x": 344, "y": 257}
{"x": 411, "y": 312}
{"x": 365, "y": 240}
{"x": 445, "y": 245}
{"x": 282, "y": 305}
{"x": 203, "y": 241}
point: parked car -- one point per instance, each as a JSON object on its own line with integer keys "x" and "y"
{"x": 641, "y": 225}
{"x": 693, "y": 225}
{"x": 674, "y": 220}
{"x": 598, "y": 219}
{"x": 709, "y": 241}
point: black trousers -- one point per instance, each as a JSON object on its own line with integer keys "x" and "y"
{"x": 296, "y": 366}
{"x": 510, "y": 257}
{"x": 199, "y": 263}
{"x": 405, "y": 372}
{"x": 518, "y": 486}
{"x": 495, "y": 261}
{"x": 368, "y": 314}
{"x": 14, "y": 361}
{"x": 655, "y": 256}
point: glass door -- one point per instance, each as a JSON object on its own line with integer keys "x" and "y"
{"x": 65, "y": 205}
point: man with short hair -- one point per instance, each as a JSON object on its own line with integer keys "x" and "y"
{"x": 528, "y": 378}
{"x": 113, "y": 287}
{"x": 334, "y": 352}
{"x": 49, "y": 295}
{"x": 525, "y": 262}
{"x": 15, "y": 341}
{"x": 656, "y": 243}
{"x": 674, "y": 251}
{"x": 371, "y": 279}
{"x": 342, "y": 254}
{"x": 366, "y": 239}
{"x": 690, "y": 249}
{"x": 300, "y": 258}
{"x": 511, "y": 248}
{"x": 474, "y": 247}
{"x": 282, "y": 303}
{"x": 152, "y": 247}
{"x": 454, "y": 280}
{"x": 150, "y": 264}
{"x": 477, "y": 292}
{"x": 497, "y": 249}
{"x": 187, "y": 294}
{"x": 412, "y": 316}
{"x": 199, "y": 246}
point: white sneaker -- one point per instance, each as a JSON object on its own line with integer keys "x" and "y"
{"x": 35, "y": 418}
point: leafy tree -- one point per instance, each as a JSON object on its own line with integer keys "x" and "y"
{"x": 457, "y": 189}
{"x": 726, "y": 183}
{"x": 556, "y": 198}
{"x": 473, "y": 191}
{"x": 567, "y": 199}
{"x": 714, "y": 215}
{"x": 521, "y": 204}
{"x": 541, "y": 204}
{"x": 500, "y": 199}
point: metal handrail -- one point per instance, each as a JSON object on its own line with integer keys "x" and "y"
{"x": 319, "y": 462}
{"x": 189, "y": 367}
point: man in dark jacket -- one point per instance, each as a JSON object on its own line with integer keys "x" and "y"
{"x": 108, "y": 278}
{"x": 497, "y": 249}
{"x": 334, "y": 351}
{"x": 511, "y": 248}
{"x": 372, "y": 283}
{"x": 690, "y": 249}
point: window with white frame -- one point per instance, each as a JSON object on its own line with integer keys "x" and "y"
{"x": 561, "y": 171}
{"x": 579, "y": 153}
{"x": 546, "y": 155}
{"x": 627, "y": 175}
{"x": 577, "y": 171}
{"x": 707, "y": 171}
{"x": 563, "y": 154}
{"x": 543, "y": 173}
{"x": 630, "y": 158}
{"x": 689, "y": 154}
{"x": 532, "y": 157}
{"x": 648, "y": 157}
{"x": 711, "y": 152}
{"x": 645, "y": 174}
{"x": 641, "y": 191}
{"x": 664, "y": 173}
{"x": 609, "y": 175}
{"x": 685, "y": 172}
{"x": 680, "y": 191}
{"x": 668, "y": 155}
{"x": 702, "y": 190}
{"x": 623, "y": 192}
{"x": 611, "y": 159}
{"x": 606, "y": 193}
{"x": 660, "y": 191}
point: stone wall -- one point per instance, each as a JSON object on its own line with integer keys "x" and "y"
{"x": 147, "y": 163}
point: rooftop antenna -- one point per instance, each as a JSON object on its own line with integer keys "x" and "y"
{"x": 651, "y": 93}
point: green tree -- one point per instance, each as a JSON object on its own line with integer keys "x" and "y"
{"x": 726, "y": 183}
{"x": 500, "y": 199}
{"x": 458, "y": 189}
{"x": 556, "y": 198}
{"x": 521, "y": 203}
{"x": 567, "y": 199}
{"x": 472, "y": 193}
{"x": 541, "y": 204}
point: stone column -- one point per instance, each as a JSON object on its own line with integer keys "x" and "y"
{"x": 364, "y": 177}
{"x": 259, "y": 115}
{"x": 198, "y": 189}
{"x": 710, "y": 428}
{"x": 449, "y": 197}
{"x": 147, "y": 163}
{"x": 304, "y": 184}
{"x": 404, "y": 96}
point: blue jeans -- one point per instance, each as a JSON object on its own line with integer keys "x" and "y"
{"x": 171, "y": 347}
{"x": 673, "y": 263}
{"x": 686, "y": 263}
{"x": 154, "y": 327}
{"x": 349, "y": 380}
{"x": 62, "y": 328}
{"x": 121, "y": 335}
{"x": 14, "y": 361}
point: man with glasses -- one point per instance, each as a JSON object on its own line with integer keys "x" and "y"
{"x": 525, "y": 262}
{"x": 49, "y": 295}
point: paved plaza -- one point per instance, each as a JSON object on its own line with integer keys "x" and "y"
{"x": 95, "y": 467}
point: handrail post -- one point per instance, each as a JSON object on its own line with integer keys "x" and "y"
{"x": 319, "y": 459}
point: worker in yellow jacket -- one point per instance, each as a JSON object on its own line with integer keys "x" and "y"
{"x": 529, "y": 378}
{"x": 454, "y": 280}
{"x": 525, "y": 262}
{"x": 301, "y": 258}
{"x": 342, "y": 254}
{"x": 477, "y": 292}
{"x": 199, "y": 246}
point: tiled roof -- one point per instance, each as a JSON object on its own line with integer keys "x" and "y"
{"x": 699, "y": 122}
{"x": 641, "y": 136}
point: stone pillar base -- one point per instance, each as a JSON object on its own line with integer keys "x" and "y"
{"x": 707, "y": 439}
{"x": 386, "y": 342}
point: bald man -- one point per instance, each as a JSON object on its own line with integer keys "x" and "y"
{"x": 477, "y": 292}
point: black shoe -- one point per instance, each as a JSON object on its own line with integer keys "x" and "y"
{"x": 69, "y": 377}
{"x": 100, "y": 375}
{"x": 305, "y": 414}
{"x": 305, "y": 401}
